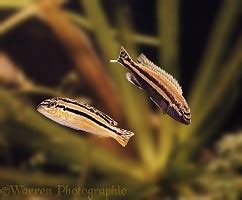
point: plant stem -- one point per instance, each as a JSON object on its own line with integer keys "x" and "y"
{"x": 219, "y": 37}
{"x": 229, "y": 75}
{"x": 13, "y": 4}
{"x": 125, "y": 33}
{"x": 137, "y": 38}
{"x": 110, "y": 48}
{"x": 168, "y": 26}
{"x": 27, "y": 177}
{"x": 17, "y": 19}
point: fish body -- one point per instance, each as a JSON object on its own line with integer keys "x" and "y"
{"x": 161, "y": 87}
{"x": 81, "y": 116}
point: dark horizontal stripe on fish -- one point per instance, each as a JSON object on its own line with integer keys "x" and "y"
{"x": 152, "y": 79}
{"x": 173, "y": 100}
{"x": 77, "y": 112}
{"x": 93, "y": 110}
{"x": 157, "y": 98}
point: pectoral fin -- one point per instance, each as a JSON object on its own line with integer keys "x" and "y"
{"x": 131, "y": 78}
{"x": 155, "y": 102}
{"x": 160, "y": 103}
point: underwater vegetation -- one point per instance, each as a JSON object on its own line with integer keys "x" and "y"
{"x": 62, "y": 49}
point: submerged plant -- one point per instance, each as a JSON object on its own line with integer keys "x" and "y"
{"x": 161, "y": 158}
{"x": 221, "y": 177}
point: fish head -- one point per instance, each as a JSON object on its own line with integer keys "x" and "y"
{"x": 183, "y": 114}
{"x": 49, "y": 108}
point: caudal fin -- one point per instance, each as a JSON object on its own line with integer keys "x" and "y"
{"x": 124, "y": 136}
{"x": 123, "y": 55}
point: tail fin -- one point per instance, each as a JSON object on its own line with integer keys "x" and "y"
{"x": 123, "y": 55}
{"x": 124, "y": 136}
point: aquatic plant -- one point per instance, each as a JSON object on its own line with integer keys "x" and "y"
{"x": 161, "y": 158}
{"x": 221, "y": 176}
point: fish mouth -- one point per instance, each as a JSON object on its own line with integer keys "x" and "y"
{"x": 186, "y": 120}
{"x": 40, "y": 107}
{"x": 41, "y": 110}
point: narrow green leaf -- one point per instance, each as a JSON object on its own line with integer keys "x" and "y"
{"x": 168, "y": 26}
{"x": 110, "y": 49}
{"x": 229, "y": 75}
{"x": 223, "y": 28}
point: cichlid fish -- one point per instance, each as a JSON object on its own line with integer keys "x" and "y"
{"x": 162, "y": 88}
{"x": 80, "y": 116}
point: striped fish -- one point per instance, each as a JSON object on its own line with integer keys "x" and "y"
{"x": 161, "y": 87}
{"x": 81, "y": 116}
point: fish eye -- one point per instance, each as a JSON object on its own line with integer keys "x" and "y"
{"x": 51, "y": 104}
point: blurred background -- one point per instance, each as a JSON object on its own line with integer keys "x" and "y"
{"x": 52, "y": 48}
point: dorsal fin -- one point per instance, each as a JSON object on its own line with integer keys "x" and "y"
{"x": 147, "y": 63}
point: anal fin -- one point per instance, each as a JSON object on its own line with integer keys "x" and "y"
{"x": 132, "y": 79}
